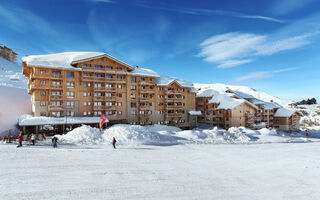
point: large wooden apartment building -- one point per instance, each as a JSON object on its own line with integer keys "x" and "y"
{"x": 234, "y": 108}
{"x": 87, "y": 84}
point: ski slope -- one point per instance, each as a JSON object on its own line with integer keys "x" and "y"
{"x": 258, "y": 171}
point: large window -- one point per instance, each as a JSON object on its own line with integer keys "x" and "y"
{"x": 133, "y": 79}
{"x": 70, "y": 74}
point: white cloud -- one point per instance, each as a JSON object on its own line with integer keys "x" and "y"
{"x": 202, "y": 11}
{"x": 262, "y": 74}
{"x": 284, "y": 7}
{"x": 233, "y": 49}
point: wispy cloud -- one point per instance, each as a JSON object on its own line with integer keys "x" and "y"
{"x": 102, "y": 1}
{"x": 262, "y": 74}
{"x": 202, "y": 11}
{"x": 284, "y": 7}
{"x": 23, "y": 21}
{"x": 233, "y": 49}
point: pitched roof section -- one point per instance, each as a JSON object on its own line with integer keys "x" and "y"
{"x": 165, "y": 81}
{"x": 284, "y": 112}
{"x": 64, "y": 60}
{"x": 144, "y": 72}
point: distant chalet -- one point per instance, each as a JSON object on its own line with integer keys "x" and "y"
{"x": 8, "y": 54}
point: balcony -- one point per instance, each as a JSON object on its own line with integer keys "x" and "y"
{"x": 55, "y": 107}
{"x": 99, "y": 107}
{"x": 147, "y": 83}
{"x": 147, "y": 91}
{"x": 174, "y": 99}
{"x": 173, "y": 92}
{"x": 99, "y": 98}
{"x": 110, "y": 107}
{"x": 87, "y": 78}
{"x": 56, "y": 87}
{"x": 145, "y": 99}
{"x": 174, "y": 114}
{"x": 56, "y": 76}
{"x": 99, "y": 89}
{"x": 56, "y": 97}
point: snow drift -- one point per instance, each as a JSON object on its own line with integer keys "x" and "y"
{"x": 161, "y": 135}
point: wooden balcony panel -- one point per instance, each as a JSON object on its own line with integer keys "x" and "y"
{"x": 146, "y": 83}
{"x": 99, "y": 98}
{"x": 55, "y": 107}
{"x": 56, "y": 97}
{"x": 110, "y": 108}
{"x": 147, "y": 91}
{"x": 99, "y": 107}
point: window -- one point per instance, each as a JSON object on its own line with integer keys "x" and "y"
{"x": 133, "y": 105}
{"x": 120, "y": 95}
{"x": 108, "y": 103}
{"x": 133, "y": 96}
{"x": 108, "y": 86}
{"x": 56, "y": 73}
{"x": 43, "y": 114}
{"x": 42, "y": 71}
{"x": 85, "y": 85}
{"x": 43, "y": 93}
{"x": 70, "y": 94}
{"x": 120, "y": 113}
{"x": 119, "y": 77}
{"x": 119, "y": 68}
{"x": 120, "y": 86}
{"x": 133, "y": 113}
{"x": 43, "y": 103}
{"x": 43, "y": 82}
{"x": 133, "y": 87}
{"x": 108, "y": 94}
{"x": 84, "y": 113}
{"x": 98, "y": 66}
{"x": 70, "y": 84}
{"x": 84, "y": 94}
{"x": 108, "y": 77}
{"x": 84, "y": 65}
{"x": 89, "y": 113}
{"x": 70, "y": 113}
{"x": 119, "y": 104}
{"x": 133, "y": 79}
{"x": 89, "y": 103}
{"x": 55, "y": 93}
{"x": 108, "y": 67}
{"x": 70, "y": 104}
{"x": 84, "y": 103}
{"x": 70, "y": 74}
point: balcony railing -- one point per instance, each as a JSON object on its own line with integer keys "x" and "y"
{"x": 55, "y": 107}
{"x": 148, "y": 91}
{"x": 56, "y": 97}
{"x": 147, "y": 83}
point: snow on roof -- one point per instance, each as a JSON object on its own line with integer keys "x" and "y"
{"x": 242, "y": 94}
{"x": 194, "y": 112}
{"x": 144, "y": 72}
{"x": 207, "y": 93}
{"x": 28, "y": 120}
{"x": 193, "y": 90}
{"x": 284, "y": 112}
{"x": 270, "y": 105}
{"x": 257, "y": 101}
{"x": 228, "y": 103}
{"x": 60, "y": 60}
{"x": 165, "y": 80}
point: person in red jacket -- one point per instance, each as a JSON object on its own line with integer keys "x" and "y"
{"x": 20, "y": 138}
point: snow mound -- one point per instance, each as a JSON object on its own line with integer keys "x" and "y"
{"x": 84, "y": 135}
{"x": 159, "y": 135}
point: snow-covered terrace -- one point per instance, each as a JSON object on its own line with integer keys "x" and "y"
{"x": 28, "y": 120}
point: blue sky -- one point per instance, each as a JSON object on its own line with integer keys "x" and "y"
{"x": 268, "y": 45}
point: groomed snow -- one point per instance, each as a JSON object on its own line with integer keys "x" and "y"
{"x": 59, "y": 60}
{"x": 28, "y": 120}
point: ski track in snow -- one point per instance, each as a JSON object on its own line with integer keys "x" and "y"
{"x": 225, "y": 171}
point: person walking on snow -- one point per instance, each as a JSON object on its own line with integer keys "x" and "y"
{"x": 20, "y": 139}
{"x": 54, "y": 141}
{"x": 33, "y": 138}
{"x": 114, "y": 141}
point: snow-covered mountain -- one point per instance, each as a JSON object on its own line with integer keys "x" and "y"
{"x": 10, "y": 75}
{"x": 257, "y": 94}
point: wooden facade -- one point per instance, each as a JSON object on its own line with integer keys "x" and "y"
{"x": 106, "y": 85}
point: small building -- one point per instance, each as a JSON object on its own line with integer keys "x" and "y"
{"x": 286, "y": 119}
{"x": 8, "y": 54}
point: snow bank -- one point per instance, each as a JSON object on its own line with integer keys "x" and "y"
{"x": 161, "y": 135}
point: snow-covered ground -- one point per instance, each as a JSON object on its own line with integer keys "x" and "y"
{"x": 224, "y": 171}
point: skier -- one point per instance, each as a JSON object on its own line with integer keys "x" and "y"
{"x": 114, "y": 141}
{"x": 20, "y": 138}
{"x": 54, "y": 141}
{"x": 33, "y": 138}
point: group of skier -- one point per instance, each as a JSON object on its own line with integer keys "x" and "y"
{"x": 33, "y": 140}
{"x": 54, "y": 140}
